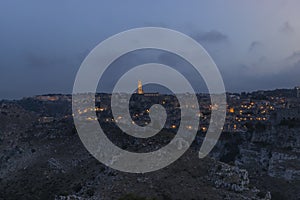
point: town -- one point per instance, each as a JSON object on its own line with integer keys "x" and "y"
{"x": 245, "y": 111}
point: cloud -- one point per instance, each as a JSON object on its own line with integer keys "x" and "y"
{"x": 292, "y": 61}
{"x": 48, "y": 60}
{"x": 242, "y": 80}
{"x": 286, "y": 27}
{"x": 264, "y": 74}
{"x": 212, "y": 36}
{"x": 295, "y": 56}
{"x": 254, "y": 45}
{"x": 156, "y": 24}
{"x": 39, "y": 60}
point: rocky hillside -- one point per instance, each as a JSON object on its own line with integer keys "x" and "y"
{"x": 44, "y": 159}
{"x": 272, "y": 158}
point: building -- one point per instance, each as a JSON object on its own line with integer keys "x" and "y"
{"x": 47, "y": 98}
{"x": 297, "y": 91}
{"x": 293, "y": 103}
{"x": 46, "y": 119}
{"x": 140, "y": 87}
{"x": 140, "y": 91}
{"x": 154, "y": 94}
{"x": 288, "y": 114}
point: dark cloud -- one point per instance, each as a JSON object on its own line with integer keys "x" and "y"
{"x": 54, "y": 59}
{"x": 244, "y": 80}
{"x": 286, "y": 78}
{"x": 157, "y": 24}
{"x": 42, "y": 61}
{"x": 212, "y": 36}
{"x": 254, "y": 45}
{"x": 286, "y": 27}
{"x": 295, "y": 56}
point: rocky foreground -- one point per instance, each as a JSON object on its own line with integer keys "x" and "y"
{"x": 44, "y": 159}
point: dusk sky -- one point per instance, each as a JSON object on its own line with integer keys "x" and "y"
{"x": 255, "y": 44}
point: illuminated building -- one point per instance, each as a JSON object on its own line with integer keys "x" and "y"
{"x": 140, "y": 91}
{"x": 140, "y": 87}
{"x": 234, "y": 126}
{"x": 47, "y": 98}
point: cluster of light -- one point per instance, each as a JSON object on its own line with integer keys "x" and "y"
{"x": 99, "y": 109}
{"x": 261, "y": 118}
{"x": 91, "y": 118}
{"x": 250, "y": 118}
{"x": 214, "y": 107}
{"x": 89, "y": 110}
{"x": 247, "y": 107}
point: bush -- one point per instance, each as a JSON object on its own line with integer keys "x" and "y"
{"x": 277, "y": 196}
{"x": 134, "y": 197}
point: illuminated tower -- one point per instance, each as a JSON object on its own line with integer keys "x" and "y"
{"x": 140, "y": 87}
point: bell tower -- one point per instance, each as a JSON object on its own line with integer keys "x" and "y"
{"x": 140, "y": 87}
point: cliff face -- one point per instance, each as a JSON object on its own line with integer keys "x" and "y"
{"x": 284, "y": 165}
{"x": 275, "y": 151}
{"x": 281, "y": 137}
{"x": 271, "y": 157}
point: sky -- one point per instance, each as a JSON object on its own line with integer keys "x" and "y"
{"x": 255, "y": 44}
